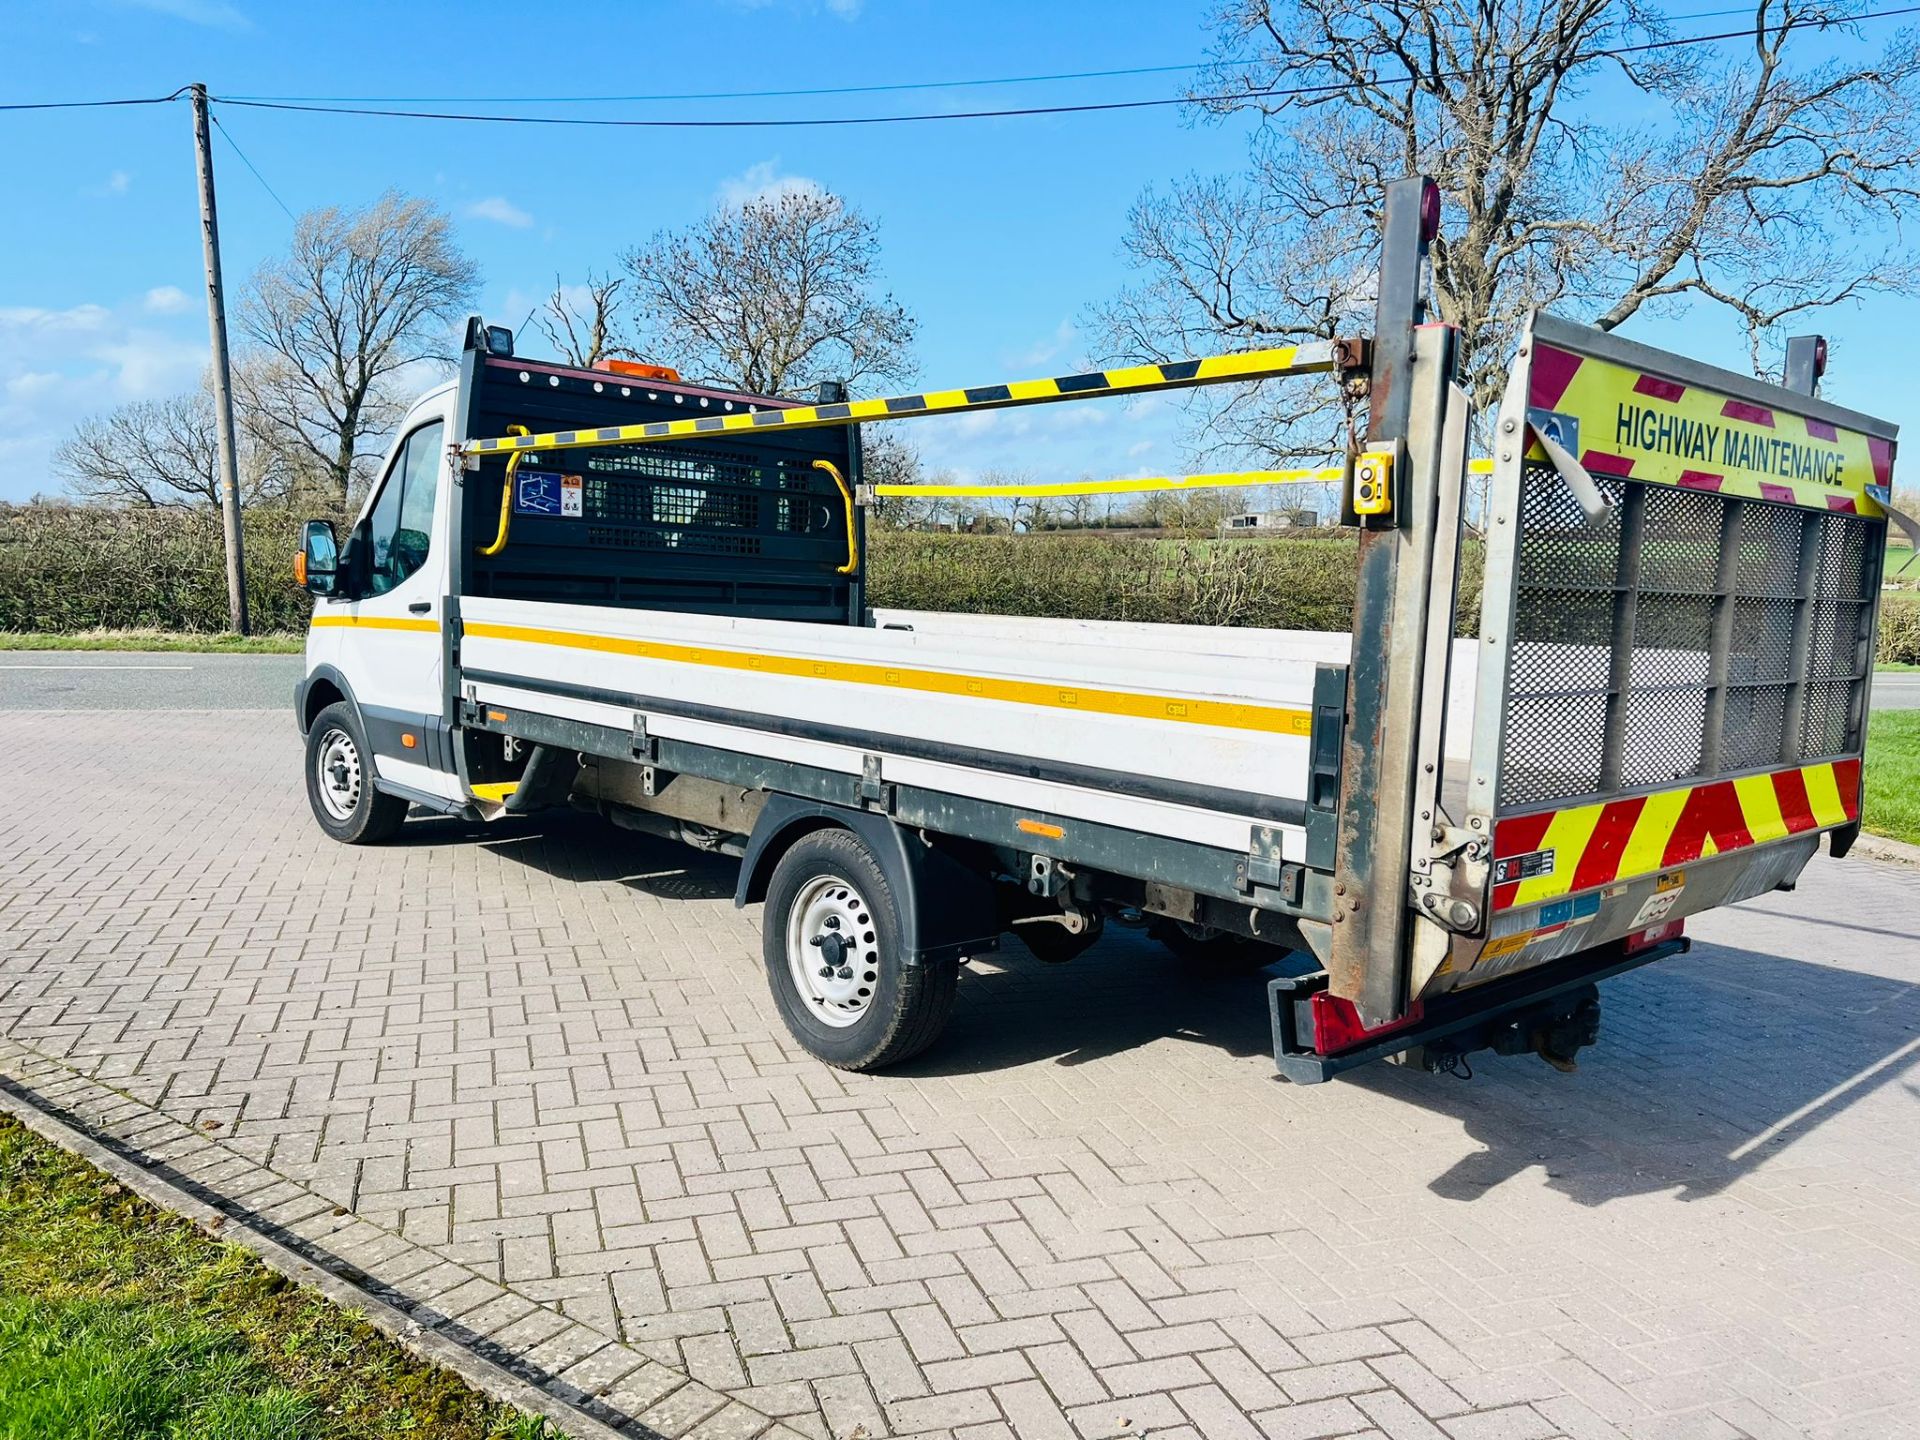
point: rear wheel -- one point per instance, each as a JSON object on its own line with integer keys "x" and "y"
{"x": 340, "y": 780}
{"x": 833, "y": 944}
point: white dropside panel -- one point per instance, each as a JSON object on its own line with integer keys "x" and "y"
{"x": 1221, "y": 829}
{"x": 1142, "y": 642}
{"x": 1232, "y": 723}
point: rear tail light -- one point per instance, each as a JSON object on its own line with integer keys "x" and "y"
{"x": 1337, "y": 1027}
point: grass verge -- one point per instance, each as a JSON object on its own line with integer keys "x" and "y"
{"x": 119, "y": 1320}
{"x": 156, "y": 640}
{"x": 1892, "y": 803}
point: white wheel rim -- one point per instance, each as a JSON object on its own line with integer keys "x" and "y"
{"x": 832, "y": 950}
{"x": 337, "y": 767}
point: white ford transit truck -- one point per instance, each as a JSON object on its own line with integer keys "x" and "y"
{"x": 612, "y": 590}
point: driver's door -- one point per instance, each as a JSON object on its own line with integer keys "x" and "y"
{"x": 388, "y": 624}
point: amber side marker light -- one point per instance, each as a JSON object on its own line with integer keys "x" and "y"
{"x": 300, "y": 567}
{"x": 1039, "y": 827}
{"x": 408, "y": 739}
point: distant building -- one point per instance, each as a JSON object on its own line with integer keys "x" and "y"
{"x": 1254, "y": 521}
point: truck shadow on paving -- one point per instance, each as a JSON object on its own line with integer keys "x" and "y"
{"x": 1708, "y": 1066}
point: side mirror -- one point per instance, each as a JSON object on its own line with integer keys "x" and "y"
{"x": 317, "y": 566}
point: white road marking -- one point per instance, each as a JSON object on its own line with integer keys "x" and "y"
{"x": 96, "y": 667}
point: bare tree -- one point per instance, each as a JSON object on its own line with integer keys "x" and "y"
{"x": 773, "y": 295}
{"x": 1014, "y": 512}
{"x": 889, "y": 458}
{"x": 1774, "y": 184}
{"x": 1077, "y": 512}
{"x": 362, "y": 295}
{"x": 155, "y": 454}
{"x": 582, "y": 321}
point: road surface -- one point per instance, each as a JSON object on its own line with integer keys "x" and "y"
{"x": 527, "y": 1077}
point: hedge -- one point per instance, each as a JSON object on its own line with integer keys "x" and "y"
{"x": 69, "y": 568}
{"x": 1296, "y": 583}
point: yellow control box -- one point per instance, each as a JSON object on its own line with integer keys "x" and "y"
{"x": 1373, "y": 483}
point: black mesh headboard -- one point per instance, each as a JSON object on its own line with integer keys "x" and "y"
{"x": 727, "y": 526}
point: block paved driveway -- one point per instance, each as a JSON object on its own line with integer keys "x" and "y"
{"x": 527, "y": 1079}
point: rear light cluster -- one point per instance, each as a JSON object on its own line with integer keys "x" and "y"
{"x": 1337, "y": 1026}
{"x": 1654, "y": 935}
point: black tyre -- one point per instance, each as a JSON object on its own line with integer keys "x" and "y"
{"x": 340, "y": 780}
{"x": 833, "y": 944}
{"x": 1207, "y": 949}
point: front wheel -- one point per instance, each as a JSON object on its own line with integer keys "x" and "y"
{"x": 834, "y": 949}
{"x": 340, "y": 780}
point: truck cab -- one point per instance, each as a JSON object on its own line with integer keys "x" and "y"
{"x": 375, "y": 646}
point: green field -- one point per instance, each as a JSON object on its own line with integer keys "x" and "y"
{"x": 120, "y": 1322}
{"x": 1892, "y": 805}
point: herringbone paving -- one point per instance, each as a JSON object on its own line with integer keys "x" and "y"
{"x": 527, "y": 1077}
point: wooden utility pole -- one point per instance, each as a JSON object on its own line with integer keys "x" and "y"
{"x": 222, "y": 369}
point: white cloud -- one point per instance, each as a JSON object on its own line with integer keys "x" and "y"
{"x": 118, "y": 183}
{"x": 500, "y": 210}
{"x": 58, "y": 366}
{"x": 1050, "y": 348}
{"x": 165, "y": 300}
{"x": 763, "y": 181}
{"x": 37, "y": 326}
{"x": 839, "y": 9}
{"x": 215, "y": 14}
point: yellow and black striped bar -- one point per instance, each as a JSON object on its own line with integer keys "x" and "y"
{"x": 1316, "y": 358}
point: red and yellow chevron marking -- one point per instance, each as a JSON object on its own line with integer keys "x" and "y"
{"x": 1594, "y": 845}
{"x": 1646, "y": 427}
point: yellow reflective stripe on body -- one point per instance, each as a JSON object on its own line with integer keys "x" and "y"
{"x": 1226, "y": 714}
{"x": 1823, "y": 795}
{"x": 1567, "y": 834}
{"x": 1760, "y": 803}
{"x": 1646, "y": 849}
{"x": 374, "y": 622}
{"x": 1313, "y": 359}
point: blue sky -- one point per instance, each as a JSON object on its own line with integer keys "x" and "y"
{"x": 997, "y": 234}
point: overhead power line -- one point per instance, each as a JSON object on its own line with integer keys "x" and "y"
{"x": 718, "y": 94}
{"x": 95, "y": 104}
{"x": 977, "y": 82}
{"x": 1087, "y": 107}
{"x": 234, "y": 145}
{"x": 383, "y": 106}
